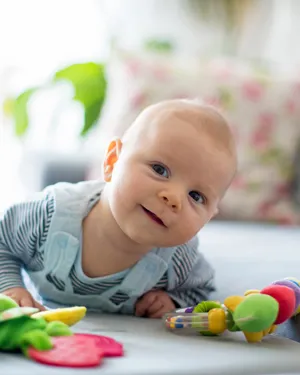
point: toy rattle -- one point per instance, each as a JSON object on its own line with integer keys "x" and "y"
{"x": 46, "y": 337}
{"x": 256, "y": 314}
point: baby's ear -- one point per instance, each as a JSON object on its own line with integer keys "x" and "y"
{"x": 111, "y": 157}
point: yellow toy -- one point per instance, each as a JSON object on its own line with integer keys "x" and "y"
{"x": 69, "y": 315}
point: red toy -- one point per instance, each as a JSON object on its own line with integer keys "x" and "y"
{"x": 78, "y": 350}
{"x": 107, "y": 345}
{"x": 286, "y": 299}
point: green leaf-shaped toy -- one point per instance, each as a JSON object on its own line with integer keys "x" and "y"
{"x": 7, "y": 303}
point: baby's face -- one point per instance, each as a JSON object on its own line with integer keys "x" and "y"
{"x": 168, "y": 182}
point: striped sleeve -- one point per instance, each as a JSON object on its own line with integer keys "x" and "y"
{"x": 194, "y": 276}
{"x": 23, "y": 229}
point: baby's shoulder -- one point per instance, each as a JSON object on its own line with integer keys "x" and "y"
{"x": 68, "y": 190}
{"x": 74, "y": 198}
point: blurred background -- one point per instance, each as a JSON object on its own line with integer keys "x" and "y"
{"x": 75, "y": 73}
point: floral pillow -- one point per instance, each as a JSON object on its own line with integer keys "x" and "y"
{"x": 262, "y": 104}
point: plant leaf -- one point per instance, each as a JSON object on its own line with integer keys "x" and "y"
{"x": 89, "y": 82}
{"x": 19, "y": 111}
{"x": 157, "y": 45}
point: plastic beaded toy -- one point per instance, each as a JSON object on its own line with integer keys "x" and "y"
{"x": 256, "y": 314}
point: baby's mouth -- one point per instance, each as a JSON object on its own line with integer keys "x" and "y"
{"x": 154, "y": 217}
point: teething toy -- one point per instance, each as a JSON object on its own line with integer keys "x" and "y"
{"x": 70, "y": 351}
{"x": 107, "y": 345}
{"x": 19, "y": 330}
{"x": 45, "y": 336}
{"x": 256, "y": 313}
{"x": 68, "y": 315}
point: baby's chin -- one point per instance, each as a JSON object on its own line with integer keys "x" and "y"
{"x": 172, "y": 244}
{"x": 148, "y": 239}
{"x": 151, "y": 243}
{"x": 167, "y": 243}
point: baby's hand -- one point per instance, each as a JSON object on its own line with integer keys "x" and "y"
{"x": 23, "y": 298}
{"x": 154, "y": 304}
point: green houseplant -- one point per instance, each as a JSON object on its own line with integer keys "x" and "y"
{"x": 89, "y": 87}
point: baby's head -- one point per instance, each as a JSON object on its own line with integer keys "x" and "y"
{"x": 168, "y": 174}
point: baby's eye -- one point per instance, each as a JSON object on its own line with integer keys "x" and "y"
{"x": 161, "y": 170}
{"x": 197, "y": 197}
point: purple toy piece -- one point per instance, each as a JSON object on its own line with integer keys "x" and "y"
{"x": 189, "y": 310}
{"x": 293, "y": 286}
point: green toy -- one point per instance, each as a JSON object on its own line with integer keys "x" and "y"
{"x": 20, "y": 330}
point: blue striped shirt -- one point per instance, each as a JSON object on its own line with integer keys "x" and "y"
{"x": 24, "y": 229}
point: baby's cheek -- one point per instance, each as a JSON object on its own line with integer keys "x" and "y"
{"x": 127, "y": 190}
{"x": 182, "y": 234}
{"x": 192, "y": 225}
{"x": 122, "y": 184}
{"x": 129, "y": 179}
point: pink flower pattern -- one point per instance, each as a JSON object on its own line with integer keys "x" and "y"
{"x": 213, "y": 100}
{"x": 138, "y": 100}
{"x": 252, "y": 90}
{"x": 291, "y": 106}
{"x": 133, "y": 67}
{"x": 262, "y": 135}
{"x": 161, "y": 74}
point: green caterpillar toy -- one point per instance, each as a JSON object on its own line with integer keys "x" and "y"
{"x": 256, "y": 314}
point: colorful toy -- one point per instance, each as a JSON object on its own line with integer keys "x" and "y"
{"x": 78, "y": 350}
{"x": 256, "y": 314}
{"x": 19, "y": 329}
{"x": 69, "y": 351}
{"x": 107, "y": 345}
{"x": 46, "y": 337}
{"x": 68, "y": 315}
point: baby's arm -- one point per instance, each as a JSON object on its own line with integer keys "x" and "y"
{"x": 23, "y": 229}
{"x": 191, "y": 277}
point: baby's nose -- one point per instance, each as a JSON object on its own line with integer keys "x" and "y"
{"x": 171, "y": 199}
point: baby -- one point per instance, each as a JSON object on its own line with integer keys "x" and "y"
{"x": 127, "y": 245}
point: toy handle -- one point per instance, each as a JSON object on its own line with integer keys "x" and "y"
{"x": 179, "y": 320}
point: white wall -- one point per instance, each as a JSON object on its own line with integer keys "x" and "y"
{"x": 271, "y": 28}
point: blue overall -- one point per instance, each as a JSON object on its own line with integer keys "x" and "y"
{"x": 63, "y": 249}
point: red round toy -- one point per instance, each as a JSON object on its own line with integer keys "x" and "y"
{"x": 69, "y": 351}
{"x": 286, "y": 299}
{"x": 108, "y": 346}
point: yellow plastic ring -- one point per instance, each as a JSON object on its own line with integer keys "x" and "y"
{"x": 216, "y": 321}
